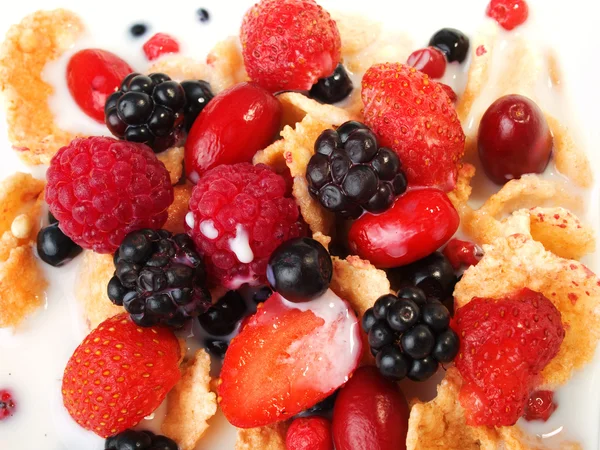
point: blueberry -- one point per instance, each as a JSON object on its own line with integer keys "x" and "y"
{"x": 446, "y": 346}
{"x": 368, "y": 320}
{"x": 216, "y": 347}
{"x": 300, "y": 269}
{"x": 222, "y": 317}
{"x": 334, "y": 88}
{"x": 392, "y": 363}
{"x": 418, "y": 341}
{"x": 139, "y": 440}
{"x": 436, "y": 316}
{"x": 54, "y": 247}
{"x": 381, "y": 335}
{"x": 413, "y": 293}
{"x": 138, "y": 29}
{"x": 402, "y": 315}
{"x": 422, "y": 369}
{"x": 453, "y": 43}
{"x": 382, "y": 305}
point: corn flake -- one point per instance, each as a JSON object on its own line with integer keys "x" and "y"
{"x": 172, "y": 158}
{"x": 179, "y": 208}
{"x": 271, "y": 437}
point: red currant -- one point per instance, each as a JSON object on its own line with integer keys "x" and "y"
{"x": 508, "y": 13}
{"x": 513, "y": 139}
{"x": 309, "y": 433}
{"x": 7, "y": 404}
{"x": 462, "y": 253}
{"x": 430, "y": 61}
{"x": 540, "y": 406}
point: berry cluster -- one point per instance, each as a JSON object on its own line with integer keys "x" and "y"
{"x": 349, "y": 173}
{"x": 410, "y": 334}
{"x": 159, "y": 278}
{"x": 139, "y": 440}
{"x": 151, "y": 109}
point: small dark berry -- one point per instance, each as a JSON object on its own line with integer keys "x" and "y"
{"x": 216, "y": 347}
{"x": 139, "y": 440}
{"x": 137, "y": 30}
{"x": 418, "y": 342}
{"x": 262, "y": 294}
{"x": 324, "y": 407}
{"x": 433, "y": 274}
{"x": 381, "y": 335}
{"x": 392, "y": 363}
{"x": 368, "y": 320}
{"x": 203, "y": 15}
{"x": 382, "y": 305}
{"x": 453, "y": 43}
{"x": 402, "y": 315}
{"x": 423, "y": 369}
{"x": 334, "y": 88}
{"x": 446, "y": 346}
{"x": 346, "y": 128}
{"x": 327, "y": 142}
{"x": 197, "y": 96}
{"x": 413, "y": 293}
{"x": 436, "y": 316}
{"x": 54, "y": 247}
{"x": 222, "y": 317}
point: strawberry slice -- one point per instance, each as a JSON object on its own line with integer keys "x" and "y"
{"x": 287, "y": 358}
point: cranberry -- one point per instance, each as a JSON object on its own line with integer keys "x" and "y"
{"x": 462, "y": 253}
{"x": 160, "y": 44}
{"x": 508, "y": 13}
{"x": 7, "y": 404}
{"x": 513, "y": 139}
{"x": 309, "y": 433}
{"x": 417, "y": 224}
{"x": 540, "y": 406}
{"x": 430, "y": 61}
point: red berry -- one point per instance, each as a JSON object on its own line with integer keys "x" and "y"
{"x": 371, "y": 413}
{"x": 235, "y": 124}
{"x": 540, "y": 406}
{"x": 414, "y": 116}
{"x": 239, "y": 214}
{"x": 417, "y": 224}
{"x": 100, "y": 189}
{"x": 7, "y": 404}
{"x": 160, "y": 44}
{"x": 289, "y": 44}
{"x": 92, "y": 75}
{"x": 119, "y": 374}
{"x": 462, "y": 253}
{"x": 451, "y": 94}
{"x": 504, "y": 344}
{"x": 309, "y": 433}
{"x": 508, "y": 13}
{"x": 513, "y": 139}
{"x": 286, "y": 359}
{"x": 430, "y": 61}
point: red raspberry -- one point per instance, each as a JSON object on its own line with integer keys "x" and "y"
{"x": 243, "y": 207}
{"x": 289, "y": 44}
{"x": 100, "y": 189}
{"x": 160, "y": 44}
{"x": 540, "y": 406}
{"x": 504, "y": 344}
{"x": 309, "y": 433}
{"x": 7, "y": 404}
{"x": 508, "y": 13}
{"x": 414, "y": 116}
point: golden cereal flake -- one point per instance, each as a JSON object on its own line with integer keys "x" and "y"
{"x": 517, "y": 261}
{"x": 272, "y": 156}
{"x": 180, "y": 68}
{"x": 356, "y": 31}
{"x": 191, "y": 403}
{"x": 462, "y": 191}
{"x": 395, "y": 46}
{"x": 271, "y": 437}
{"x": 18, "y": 193}
{"x": 172, "y": 158}
{"x": 296, "y": 106}
{"x": 40, "y": 38}
{"x": 179, "y": 208}
{"x": 95, "y": 271}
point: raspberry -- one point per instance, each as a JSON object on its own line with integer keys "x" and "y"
{"x": 100, "y": 189}
{"x": 309, "y": 433}
{"x": 238, "y": 215}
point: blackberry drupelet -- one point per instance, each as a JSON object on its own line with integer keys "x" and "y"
{"x": 159, "y": 278}
{"x": 222, "y": 317}
{"x": 139, "y": 440}
{"x": 453, "y": 43}
{"x": 334, "y": 88}
{"x": 197, "y": 96}
{"x": 216, "y": 347}
{"x": 349, "y": 173}
{"x": 410, "y": 335}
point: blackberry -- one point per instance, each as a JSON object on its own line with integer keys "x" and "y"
{"x": 159, "y": 278}
{"x": 197, "y": 96}
{"x": 54, "y": 247}
{"x": 334, "y": 88}
{"x": 222, "y": 317}
{"x": 409, "y": 335}
{"x": 139, "y": 440}
{"x": 216, "y": 347}
{"x": 349, "y": 173}
{"x": 453, "y": 43}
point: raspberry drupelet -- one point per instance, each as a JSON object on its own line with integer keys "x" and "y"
{"x": 239, "y": 214}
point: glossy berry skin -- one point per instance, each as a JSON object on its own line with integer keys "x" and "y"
{"x": 139, "y": 440}
{"x": 7, "y": 404}
{"x": 540, "y": 406}
{"x": 413, "y": 293}
{"x": 508, "y": 13}
{"x": 452, "y": 42}
{"x": 418, "y": 341}
{"x": 446, "y": 346}
{"x": 430, "y": 61}
{"x": 216, "y": 347}
{"x": 370, "y": 414}
{"x": 289, "y": 44}
{"x": 333, "y": 88}
{"x": 402, "y": 315}
{"x": 160, "y": 44}
{"x": 54, "y": 247}
{"x": 309, "y": 433}
{"x": 423, "y": 369}
{"x": 419, "y": 222}
{"x": 197, "y": 96}
{"x": 392, "y": 363}
{"x": 513, "y": 139}
{"x": 300, "y": 269}
{"x": 138, "y": 29}
{"x": 323, "y": 408}
{"x": 382, "y": 305}
{"x": 222, "y": 317}
{"x": 237, "y": 123}
{"x": 92, "y": 75}
{"x": 381, "y": 335}
{"x": 462, "y": 253}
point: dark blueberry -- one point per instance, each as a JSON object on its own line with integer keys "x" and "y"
{"x": 436, "y": 316}
{"x": 413, "y": 293}
{"x": 222, "y": 317}
{"x": 382, "y": 305}
{"x": 418, "y": 342}
{"x": 386, "y": 163}
{"x": 361, "y": 146}
{"x": 139, "y": 29}
{"x": 403, "y": 314}
{"x": 453, "y": 43}
{"x": 134, "y": 108}
{"x": 433, "y": 274}
{"x": 141, "y": 83}
{"x": 139, "y": 440}
{"x": 368, "y": 320}
{"x": 334, "y": 88}
{"x": 216, "y": 347}
{"x": 346, "y": 128}
{"x": 300, "y": 269}
{"x": 324, "y": 407}
{"x": 422, "y": 369}
{"x": 382, "y": 199}
{"x": 197, "y": 96}
{"x": 381, "y": 335}
{"x": 392, "y": 363}
{"x": 360, "y": 183}
{"x": 327, "y": 142}
{"x": 116, "y": 291}
{"x": 54, "y": 247}
{"x": 446, "y": 346}
{"x": 262, "y": 294}
{"x": 317, "y": 172}
{"x": 203, "y": 15}
{"x": 169, "y": 94}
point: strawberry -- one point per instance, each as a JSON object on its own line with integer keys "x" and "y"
{"x": 504, "y": 344}
{"x": 289, "y": 44}
{"x": 160, "y": 44}
{"x": 414, "y": 116}
{"x": 120, "y": 374}
{"x": 92, "y": 75}
{"x": 288, "y": 358}
{"x": 417, "y": 224}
